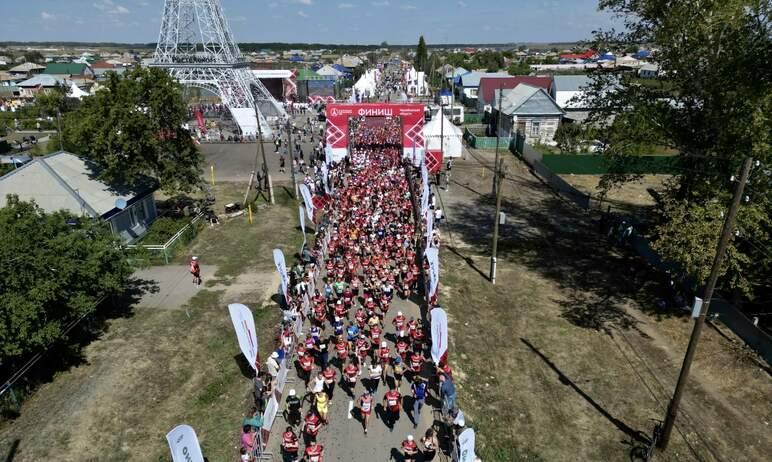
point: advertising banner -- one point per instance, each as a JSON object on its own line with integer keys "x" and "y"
{"x": 412, "y": 115}
{"x": 281, "y": 266}
{"x": 183, "y": 443}
{"x": 429, "y": 227}
{"x": 244, "y": 324}
{"x": 306, "y": 193}
{"x": 433, "y": 258}
{"x": 439, "y": 334}
{"x": 302, "y": 226}
{"x": 466, "y": 446}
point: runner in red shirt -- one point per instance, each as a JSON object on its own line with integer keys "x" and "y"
{"x": 289, "y": 445}
{"x": 399, "y": 323}
{"x": 366, "y": 408}
{"x": 409, "y": 449}
{"x": 329, "y": 381}
{"x": 314, "y": 452}
{"x": 362, "y": 347}
{"x": 375, "y": 334}
{"x": 392, "y": 402}
{"x": 416, "y": 362}
{"x": 306, "y": 363}
{"x": 402, "y": 347}
{"x": 359, "y": 317}
{"x": 341, "y": 349}
{"x": 311, "y": 425}
{"x": 350, "y": 374}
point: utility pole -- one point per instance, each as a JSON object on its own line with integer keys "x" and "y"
{"x": 498, "y": 130}
{"x": 499, "y": 172}
{"x": 291, "y": 157}
{"x": 59, "y": 128}
{"x": 726, "y": 232}
{"x": 260, "y": 151}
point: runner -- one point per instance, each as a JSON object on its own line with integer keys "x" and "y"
{"x": 195, "y": 270}
{"x": 392, "y": 402}
{"x": 314, "y": 452}
{"x": 409, "y": 449}
{"x": 289, "y": 445}
{"x": 366, "y": 408}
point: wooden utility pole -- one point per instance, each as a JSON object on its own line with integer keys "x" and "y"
{"x": 291, "y": 157}
{"x": 498, "y": 130}
{"x": 699, "y": 321}
{"x": 499, "y": 172}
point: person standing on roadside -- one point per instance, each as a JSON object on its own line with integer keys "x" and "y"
{"x": 431, "y": 443}
{"x": 195, "y": 270}
{"x": 419, "y": 397}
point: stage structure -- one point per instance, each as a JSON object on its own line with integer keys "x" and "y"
{"x": 196, "y": 46}
{"x": 412, "y": 115}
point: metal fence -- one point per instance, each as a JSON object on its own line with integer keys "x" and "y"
{"x": 148, "y": 254}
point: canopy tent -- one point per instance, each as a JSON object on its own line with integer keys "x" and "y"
{"x": 365, "y": 86}
{"x": 330, "y": 71}
{"x": 76, "y": 92}
{"x": 436, "y": 130}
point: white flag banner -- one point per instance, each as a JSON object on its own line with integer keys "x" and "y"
{"x": 439, "y": 334}
{"x": 325, "y": 178}
{"x": 466, "y": 446}
{"x": 306, "y": 193}
{"x": 183, "y": 443}
{"x": 433, "y": 257}
{"x": 244, "y": 323}
{"x": 425, "y": 190}
{"x": 328, "y": 155}
{"x": 281, "y": 266}
{"x": 302, "y": 226}
{"x": 429, "y": 227}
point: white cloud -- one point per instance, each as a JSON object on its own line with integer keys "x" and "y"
{"x": 462, "y": 4}
{"x": 302, "y": 14}
{"x": 305, "y": 2}
{"x": 110, "y": 7}
{"x": 273, "y": 5}
{"x": 345, "y": 5}
{"x": 46, "y": 15}
{"x": 237, "y": 19}
{"x": 383, "y": 3}
{"x": 408, "y": 7}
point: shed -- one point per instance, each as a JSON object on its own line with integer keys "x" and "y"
{"x": 529, "y": 110}
{"x": 567, "y": 87}
{"x": 65, "y": 181}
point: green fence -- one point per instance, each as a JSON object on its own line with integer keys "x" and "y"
{"x": 590, "y": 164}
{"x": 484, "y": 142}
{"x": 472, "y": 118}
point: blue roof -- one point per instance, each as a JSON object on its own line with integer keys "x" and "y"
{"x": 296, "y": 59}
{"x": 644, "y": 54}
{"x": 341, "y": 68}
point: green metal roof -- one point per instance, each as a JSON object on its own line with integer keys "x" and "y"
{"x": 308, "y": 74}
{"x": 65, "y": 68}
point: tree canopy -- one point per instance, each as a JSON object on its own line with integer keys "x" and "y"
{"x": 133, "y": 127}
{"x": 421, "y": 55}
{"x": 711, "y": 103}
{"x": 54, "y": 268}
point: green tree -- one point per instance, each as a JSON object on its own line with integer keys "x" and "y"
{"x": 568, "y": 136}
{"x": 34, "y": 57}
{"x": 714, "y": 110}
{"x": 133, "y": 127}
{"x": 421, "y": 55}
{"x": 519, "y": 69}
{"x": 54, "y": 267}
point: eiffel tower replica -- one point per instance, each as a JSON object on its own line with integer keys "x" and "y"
{"x": 197, "y": 47}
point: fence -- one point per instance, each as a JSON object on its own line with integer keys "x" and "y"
{"x": 484, "y": 142}
{"x": 148, "y": 254}
{"x": 592, "y": 164}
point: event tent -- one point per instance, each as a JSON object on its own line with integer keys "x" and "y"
{"x": 76, "y": 92}
{"x": 436, "y": 130}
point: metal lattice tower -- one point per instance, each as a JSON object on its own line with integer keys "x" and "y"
{"x": 197, "y": 47}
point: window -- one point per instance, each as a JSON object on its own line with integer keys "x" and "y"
{"x": 535, "y": 126}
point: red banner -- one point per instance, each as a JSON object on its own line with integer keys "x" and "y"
{"x": 412, "y": 121}
{"x": 433, "y": 161}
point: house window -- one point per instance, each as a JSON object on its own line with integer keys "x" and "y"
{"x": 535, "y": 127}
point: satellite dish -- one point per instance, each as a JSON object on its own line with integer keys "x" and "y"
{"x": 120, "y": 203}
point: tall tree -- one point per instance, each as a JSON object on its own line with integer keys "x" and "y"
{"x": 133, "y": 127}
{"x": 712, "y": 103}
{"x": 54, "y": 268}
{"x": 421, "y": 55}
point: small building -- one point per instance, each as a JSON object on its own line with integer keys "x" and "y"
{"x": 69, "y": 70}
{"x": 568, "y": 91}
{"x": 42, "y": 83}
{"x": 529, "y": 110}
{"x": 489, "y": 84}
{"x": 65, "y": 181}
{"x": 102, "y": 67}
{"x": 26, "y": 70}
{"x": 648, "y": 71}
{"x": 469, "y": 84}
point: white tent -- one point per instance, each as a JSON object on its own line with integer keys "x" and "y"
{"x": 329, "y": 71}
{"x": 436, "y": 130}
{"x": 76, "y": 92}
{"x": 365, "y": 85}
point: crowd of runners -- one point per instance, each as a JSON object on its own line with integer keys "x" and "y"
{"x": 364, "y": 257}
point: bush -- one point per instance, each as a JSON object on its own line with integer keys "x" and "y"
{"x": 162, "y": 229}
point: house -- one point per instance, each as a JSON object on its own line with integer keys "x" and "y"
{"x": 26, "y": 70}
{"x": 8, "y": 80}
{"x": 102, "y": 67}
{"x": 528, "y": 109}
{"x": 567, "y": 87}
{"x": 648, "y": 71}
{"x": 5, "y": 60}
{"x": 489, "y": 84}
{"x": 42, "y": 83}
{"x": 469, "y": 84}
{"x": 69, "y": 70}
{"x": 65, "y": 181}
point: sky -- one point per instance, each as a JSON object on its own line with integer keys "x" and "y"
{"x": 321, "y": 21}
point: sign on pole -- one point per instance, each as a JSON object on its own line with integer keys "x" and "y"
{"x": 281, "y": 266}
{"x": 244, "y": 324}
{"x": 307, "y": 200}
{"x": 183, "y": 443}
{"x": 439, "y": 334}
